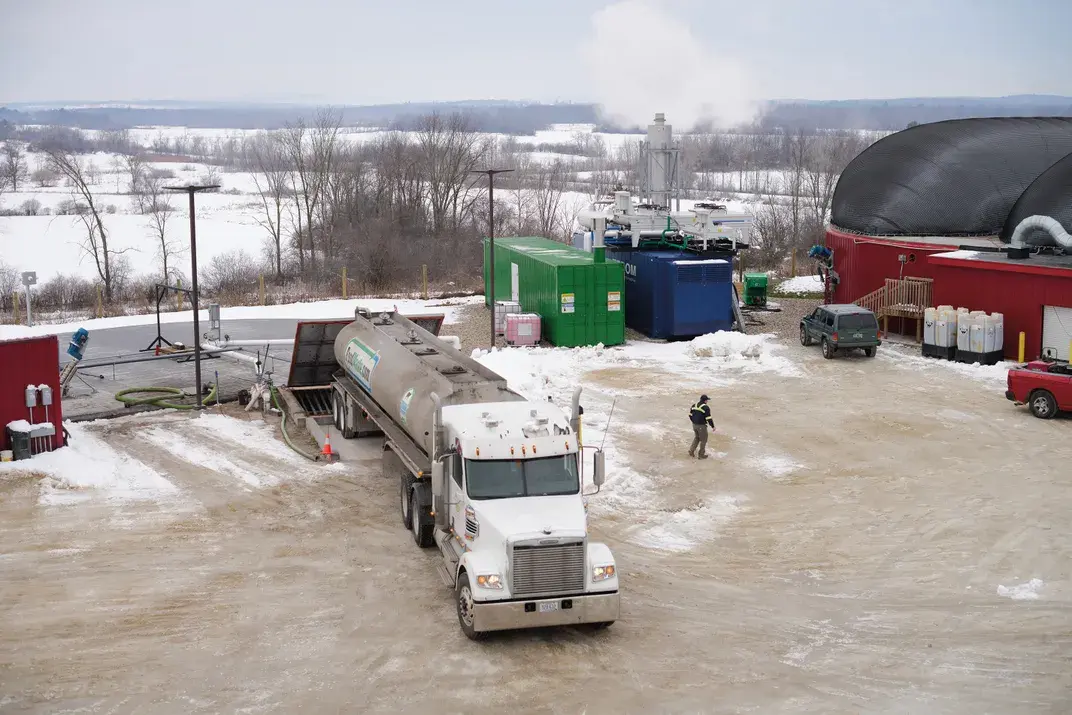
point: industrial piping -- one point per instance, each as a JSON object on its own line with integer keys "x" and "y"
{"x": 1045, "y": 223}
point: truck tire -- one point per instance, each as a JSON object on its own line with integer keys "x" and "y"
{"x": 1043, "y": 405}
{"x": 828, "y": 349}
{"x": 336, "y": 410}
{"x": 463, "y": 603}
{"x": 870, "y": 352}
{"x": 423, "y": 531}
{"x": 406, "y": 500}
{"x": 805, "y": 339}
{"x": 602, "y": 625}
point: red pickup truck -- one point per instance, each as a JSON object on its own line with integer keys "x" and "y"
{"x": 1046, "y": 387}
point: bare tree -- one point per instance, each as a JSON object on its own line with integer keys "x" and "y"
{"x": 311, "y": 153}
{"x": 156, "y": 204}
{"x": 265, "y": 159}
{"x": 96, "y": 243}
{"x": 451, "y": 149}
{"x": 136, "y": 170}
{"x": 547, "y": 186}
{"x": 13, "y": 168}
{"x": 800, "y": 155}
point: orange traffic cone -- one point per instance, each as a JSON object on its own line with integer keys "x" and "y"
{"x": 326, "y": 453}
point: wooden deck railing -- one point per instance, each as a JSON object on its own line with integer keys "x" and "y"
{"x": 900, "y": 298}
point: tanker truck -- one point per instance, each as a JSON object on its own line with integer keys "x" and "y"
{"x": 494, "y": 481}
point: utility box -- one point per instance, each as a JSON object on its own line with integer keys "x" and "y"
{"x": 504, "y": 309}
{"x": 755, "y": 289}
{"x": 580, "y": 301}
{"x": 676, "y": 295}
{"x": 30, "y": 362}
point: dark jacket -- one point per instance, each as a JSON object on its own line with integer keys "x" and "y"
{"x": 701, "y": 413}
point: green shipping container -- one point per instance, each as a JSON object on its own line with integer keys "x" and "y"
{"x": 580, "y": 302}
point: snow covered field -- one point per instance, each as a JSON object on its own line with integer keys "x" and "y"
{"x": 226, "y": 221}
{"x": 866, "y": 537}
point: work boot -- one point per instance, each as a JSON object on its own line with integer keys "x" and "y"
{"x": 702, "y": 456}
{"x": 691, "y": 454}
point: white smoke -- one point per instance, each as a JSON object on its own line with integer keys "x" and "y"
{"x": 641, "y": 61}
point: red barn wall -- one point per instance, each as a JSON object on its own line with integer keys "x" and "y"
{"x": 864, "y": 263}
{"x": 29, "y": 361}
{"x": 1018, "y": 296}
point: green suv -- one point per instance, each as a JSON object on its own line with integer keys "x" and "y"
{"x": 841, "y": 327}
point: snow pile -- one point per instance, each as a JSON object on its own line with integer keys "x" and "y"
{"x": 215, "y": 442}
{"x": 88, "y": 466}
{"x": 994, "y": 376}
{"x": 686, "y": 529}
{"x": 318, "y": 310}
{"x": 1023, "y": 592}
{"x": 800, "y": 285}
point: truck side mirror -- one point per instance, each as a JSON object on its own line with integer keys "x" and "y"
{"x": 599, "y": 468}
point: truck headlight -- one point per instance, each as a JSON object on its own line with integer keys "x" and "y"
{"x": 489, "y": 580}
{"x": 602, "y": 573}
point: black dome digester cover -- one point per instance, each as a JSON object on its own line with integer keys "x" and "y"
{"x": 958, "y": 177}
{"x": 1049, "y": 195}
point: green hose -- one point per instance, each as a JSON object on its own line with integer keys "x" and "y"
{"x": 283, "y": 427}
{"x": 160, "y": 401}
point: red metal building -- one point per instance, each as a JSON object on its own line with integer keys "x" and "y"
{"x": 29, "y": 361}
{"x": 1021, "y": 290}
{"x": 865, "y": 262}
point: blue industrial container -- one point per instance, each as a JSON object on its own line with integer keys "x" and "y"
{"x": 671, "y": 294}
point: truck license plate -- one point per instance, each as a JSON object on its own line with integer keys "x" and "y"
{"x": 857, "y": 335}
{"x": 549, "y": 607}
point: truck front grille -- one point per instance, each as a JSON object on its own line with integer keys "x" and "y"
{"x": 557, "y": 568}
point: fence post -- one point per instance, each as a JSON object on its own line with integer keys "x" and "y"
{"x": 100, "y": 302}
{"x": 178, "y": 295}
{"x": 344, "y": 282}
{"x": 262, "y": 289}
{"x": 15, "y": 303}
{"x": 1023, "y": 340}
{"x": 424, "y": 281}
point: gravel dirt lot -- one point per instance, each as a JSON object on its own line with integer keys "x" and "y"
{"x": 858, "y": 544}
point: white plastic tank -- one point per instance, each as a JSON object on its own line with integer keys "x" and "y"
{"x": 622, "y": 202}
{"x": 930, "y": 317}
{"x": 977, "y": 331}
{"x": 941, "y": 332}
{"x": 964, "y": 332}
{"x": 998, "y": 320}
{"x": 978, "y": 313}
{"x": 945, "y": 309}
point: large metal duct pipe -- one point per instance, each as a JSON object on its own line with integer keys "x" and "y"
{"x": 1044, "y": 223}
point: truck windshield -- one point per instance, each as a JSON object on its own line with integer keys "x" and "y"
{"x": 857, "y": 321}
{"x": 505, "y": 478}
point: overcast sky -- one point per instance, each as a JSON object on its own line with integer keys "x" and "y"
{"x": 377, "y": 51}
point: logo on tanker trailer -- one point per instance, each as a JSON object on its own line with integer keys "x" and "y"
{"x": 403, "y": 406}
{"x": 362, "y": 361}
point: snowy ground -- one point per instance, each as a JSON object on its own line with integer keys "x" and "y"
{"x": 800, "y": 285}
{"x": 866, "y": 538}
{"x": 315, "y": 310}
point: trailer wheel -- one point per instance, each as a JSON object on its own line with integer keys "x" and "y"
{"x": 405, "y": 494}
{"x": 602, "y": 625}
{"x": 421, "y": 529}
{"x": 463, "y": 599}
{"x": 336, "y": 409}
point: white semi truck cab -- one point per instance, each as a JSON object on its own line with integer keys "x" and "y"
{"x": 493, "y": 480}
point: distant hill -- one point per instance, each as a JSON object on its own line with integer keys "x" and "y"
{"x": 512, "y": 117}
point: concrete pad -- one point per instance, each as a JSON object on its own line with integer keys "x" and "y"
{"x": 360, "y": 449}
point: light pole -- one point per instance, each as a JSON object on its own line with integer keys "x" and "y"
{"x": 191, "y": 190}
{"x": 491, "y": 239}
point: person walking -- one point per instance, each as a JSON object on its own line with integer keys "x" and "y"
{"x": 700, "y": 416}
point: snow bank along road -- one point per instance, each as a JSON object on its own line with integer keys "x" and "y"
{"x": 885, "y": 535}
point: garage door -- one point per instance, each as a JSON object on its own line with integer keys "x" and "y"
{"x": 1056, "y": 332}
